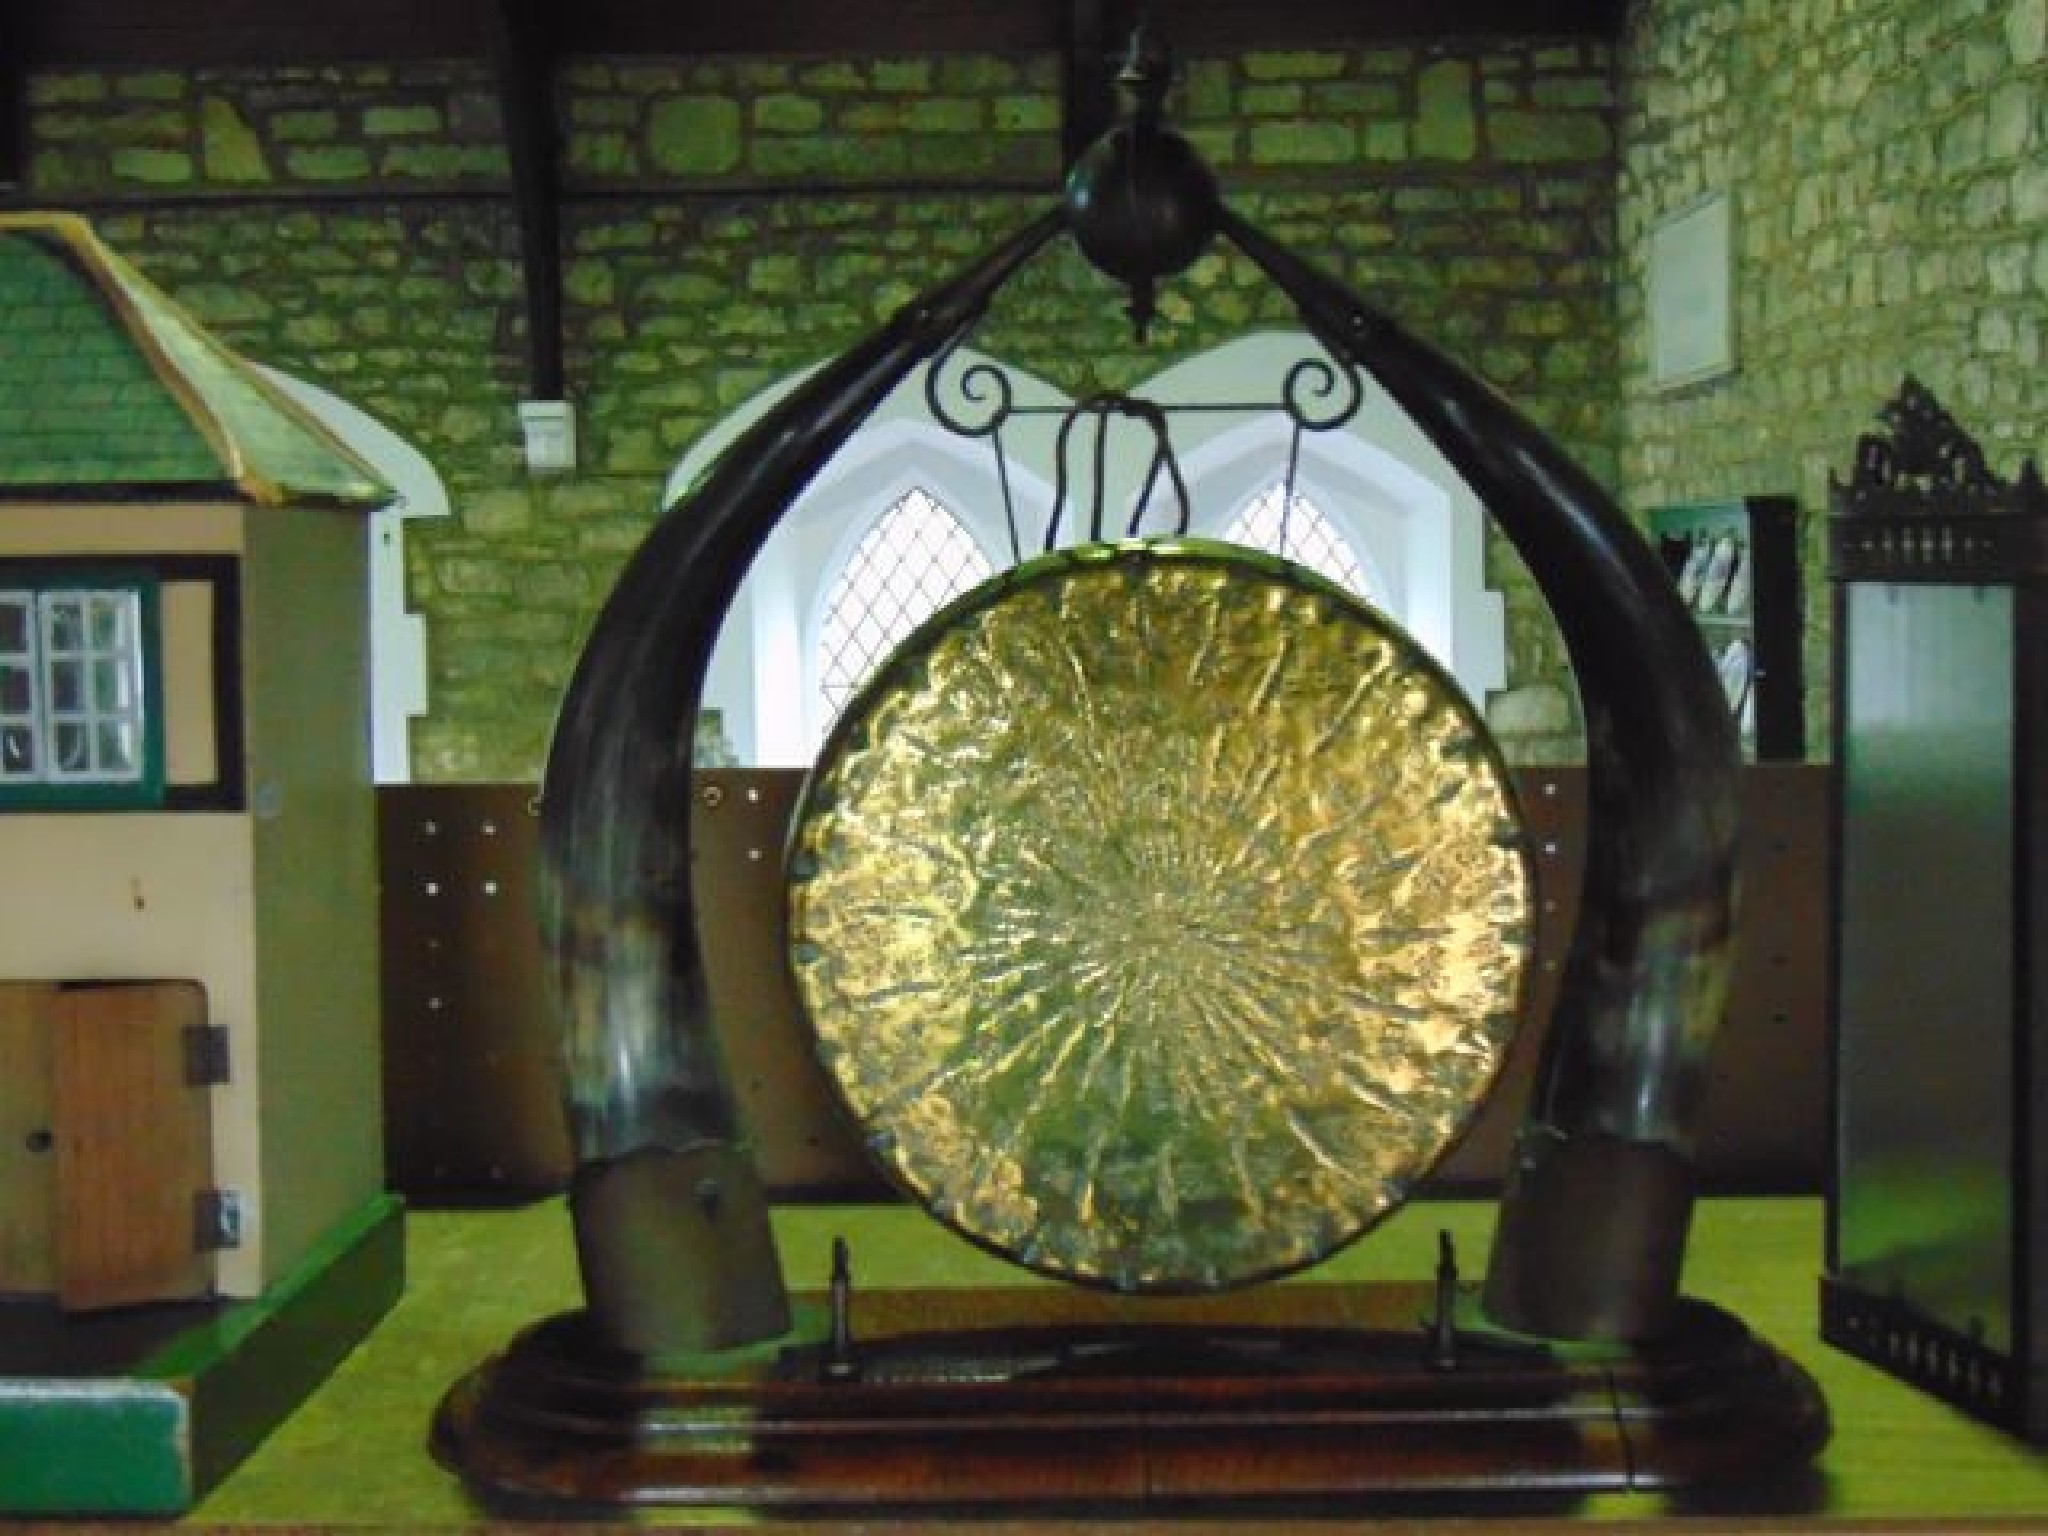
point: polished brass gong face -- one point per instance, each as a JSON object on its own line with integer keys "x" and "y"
{"x": 1160, "y": 912}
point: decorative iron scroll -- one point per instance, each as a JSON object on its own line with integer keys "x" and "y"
{"x": 979, "y": 399}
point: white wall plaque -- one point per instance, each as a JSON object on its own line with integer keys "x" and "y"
{"x": 1692, "y": 321}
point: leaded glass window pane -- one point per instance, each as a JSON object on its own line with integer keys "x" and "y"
{"x": 915, "y": 559}
{"x": 1300, "y": 531}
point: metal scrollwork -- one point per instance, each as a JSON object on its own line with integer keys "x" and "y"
{"x": 1321, "y": 395}
{"x": 978, "y": 399}
{"x": 1165, "y": 461}
{"x": 983, "y": 388}
{"x": 1099, "y": 409}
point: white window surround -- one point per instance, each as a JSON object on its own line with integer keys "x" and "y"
{"x": 1299, "y": 529}
{"x": 886, "y": 590}
{"x": 1418, "y": 532}
{"x": 764, "y": 674}
{"x": 398, "y": 641}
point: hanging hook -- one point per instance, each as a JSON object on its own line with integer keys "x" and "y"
{"x": 1163, "y": 457}
{"x": 1100, "y": 408}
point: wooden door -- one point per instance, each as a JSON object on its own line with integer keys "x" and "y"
{"x": 134, "y": 1144}
{"x": 28, "y": 1159}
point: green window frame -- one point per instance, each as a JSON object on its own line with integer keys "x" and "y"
{"x": 81, "y": 694}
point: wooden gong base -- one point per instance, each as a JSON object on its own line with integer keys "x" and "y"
{"x": 1013, "y": 1399}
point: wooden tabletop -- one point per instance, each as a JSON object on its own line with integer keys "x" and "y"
{"x": 356, "y": 1452}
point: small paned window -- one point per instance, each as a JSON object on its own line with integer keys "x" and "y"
{"x": 78, "y": 722}
{"x": 914, "y": 559}
{"x": 1300, "y": 531}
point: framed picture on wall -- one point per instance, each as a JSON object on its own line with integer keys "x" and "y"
{"x": 1692, "y": 322}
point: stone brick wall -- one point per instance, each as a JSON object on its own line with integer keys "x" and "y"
{"x": 1887, "y": 164}
{"x": 221, "y": 132}
{"x": 728, "y": 221}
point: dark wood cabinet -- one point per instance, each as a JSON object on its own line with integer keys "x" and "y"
{"x": 1736, "y": 563}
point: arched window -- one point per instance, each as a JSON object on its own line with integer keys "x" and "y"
{"x": 1297, "y": 529}
{"x": 837, "y": 585}
{"x": 913, "y": 559}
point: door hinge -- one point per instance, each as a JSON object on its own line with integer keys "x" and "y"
{"x": 217, "y": 1220}
{"x": 207, "y": 1063}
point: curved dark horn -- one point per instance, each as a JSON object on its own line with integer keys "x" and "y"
{"x": 1593, "y": 1222}
{"x": 671, "y": 1223}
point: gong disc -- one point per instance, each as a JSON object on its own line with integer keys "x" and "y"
{"x": 1159, "y": 911}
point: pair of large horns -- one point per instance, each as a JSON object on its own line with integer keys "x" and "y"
{"x": 671, "y": 1221}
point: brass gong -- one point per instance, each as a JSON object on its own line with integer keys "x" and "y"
{"x": 1159, "y": 910}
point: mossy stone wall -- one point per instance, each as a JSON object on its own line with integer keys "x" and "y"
{"x": 1887, "y": 165}
{"x": 728, "y": 221}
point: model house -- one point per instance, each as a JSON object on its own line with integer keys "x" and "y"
{"x": 187, "y": 935}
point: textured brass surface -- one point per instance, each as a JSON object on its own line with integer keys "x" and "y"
{"x": 1160, "y": 913}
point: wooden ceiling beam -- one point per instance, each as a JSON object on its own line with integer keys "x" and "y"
{"x": 862, "y": 28}
{"x": 149, "y": 33}
{"x": 14, "y": 23}
{"x": 1088, "y": 101}
{"x": 1196, "y": 26}
{"x": 145, "y": 34}
{"x": 524, "y": 49}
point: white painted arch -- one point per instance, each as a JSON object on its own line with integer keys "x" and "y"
{"x": 1416, "y": 527}
{"x": 398, "y": 639}
{"x": 1414, "y": 521}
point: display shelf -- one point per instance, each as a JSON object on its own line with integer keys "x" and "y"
{"x": 1736, "y": 563}
{"x": 356, "y": 1454}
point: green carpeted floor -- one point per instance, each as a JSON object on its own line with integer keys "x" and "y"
{"x": 355, "y": 1454}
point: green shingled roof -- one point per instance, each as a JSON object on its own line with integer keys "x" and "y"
{"x": 107, "y": 384}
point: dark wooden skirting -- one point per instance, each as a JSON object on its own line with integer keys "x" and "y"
{"x": 1763, "y": 1129}
{"x": 470, "y": 1093}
